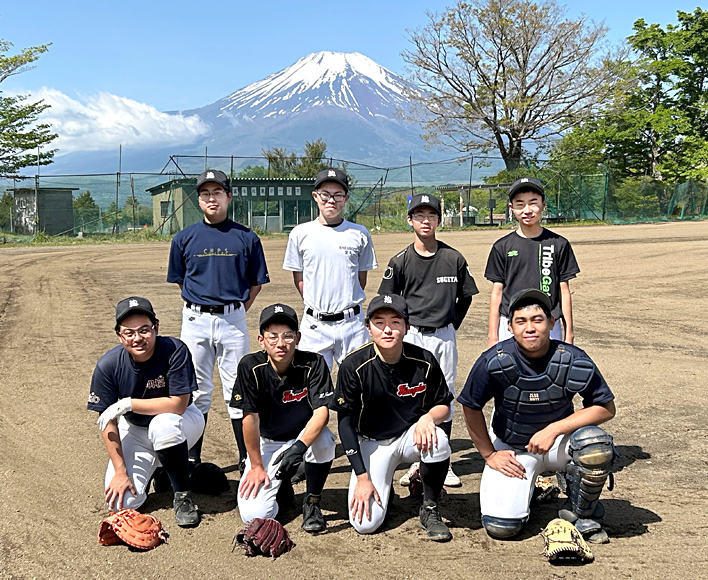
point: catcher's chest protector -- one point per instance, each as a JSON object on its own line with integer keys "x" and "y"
{"x": 530, "y": 403}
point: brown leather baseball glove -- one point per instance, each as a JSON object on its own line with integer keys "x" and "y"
{"x": 135, "y": 529}
{"x": 265, "y": 537}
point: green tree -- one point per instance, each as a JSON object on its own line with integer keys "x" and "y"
{"x": 7, "y": 206}
{"x": 86, "y": 211}
{"x": 499, "y": 73}
{"x": 20, "y": 133}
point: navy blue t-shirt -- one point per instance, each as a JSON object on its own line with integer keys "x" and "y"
{"x": 217, "y": 263}
{"x": 479, "y": 389}
{"x": 169, "y": 372}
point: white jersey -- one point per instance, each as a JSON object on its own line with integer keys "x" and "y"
{"x": 330, "y": 259}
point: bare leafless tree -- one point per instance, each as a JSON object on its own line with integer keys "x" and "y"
{"x": 496, "y": 73}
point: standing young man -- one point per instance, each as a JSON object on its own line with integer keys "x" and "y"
{"x": 534, "y": 426}
{"x": 438, "y": 287}
{"x": 391, "y": 397}
{"x": 220, "y": 267}
{"x": 530, "y": 257}
{"x": 284, "y": 394}
{"x": 142, "y": 389}
{"x": 330, "y": 258}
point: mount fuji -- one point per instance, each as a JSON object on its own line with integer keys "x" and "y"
{"x": 346, "y": 99}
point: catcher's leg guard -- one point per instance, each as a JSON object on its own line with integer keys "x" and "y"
{"x": 502, "y": 528}
{"x": 592, "y": 454}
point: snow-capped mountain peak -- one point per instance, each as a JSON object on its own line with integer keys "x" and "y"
{"x": 351, "y": 81}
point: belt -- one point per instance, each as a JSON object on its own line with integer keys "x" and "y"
{"x": 334, "y": 316}
{"x": 426, "y": 329}
{"x": 212, "y": 309}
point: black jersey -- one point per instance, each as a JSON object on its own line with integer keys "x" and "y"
{"x": 284, "y": 404}
{"x": 542, "y": 262}
{"x": 480, "y": 388}
{"x": 168, "y": 372}
{"x": 431, "y": 285}
{"x": 387, "y": 399}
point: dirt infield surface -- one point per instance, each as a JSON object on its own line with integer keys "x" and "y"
{"x": 639, "y": 304}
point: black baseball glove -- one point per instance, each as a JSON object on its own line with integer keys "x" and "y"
{"x": 290, "y": 460}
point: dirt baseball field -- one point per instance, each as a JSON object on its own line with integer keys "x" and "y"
{"x": 639, "y": 302}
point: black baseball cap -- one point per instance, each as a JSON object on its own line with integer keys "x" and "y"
{"x": 394, "y": 302}
{"x": 526, "y": 184}
{"x": 214, "y": 176}
{"x": 134, "y": 305}
{"x": 280, "y": 313}
{"x": 424, "y": 200}
{"x": 332, "y": 174}
{"x": 529, "y": 296}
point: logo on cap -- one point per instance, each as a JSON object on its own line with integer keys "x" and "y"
{"x": 331, "y": 173}
{"x": 424, "y": 199}
{"x": 210, "y": 175}
{"x": 278, "y": 309}
{"x": 387, "y": 300}
{"x": 524, "y": 180}
{"x": 133, "y": 303}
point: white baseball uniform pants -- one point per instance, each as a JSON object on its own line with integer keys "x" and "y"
{"x": 333, "y": 340}
{"x": 443, "y": 344}
{"x": 501, "y": 496}
{"x": 264, "y": 504}
{"x": 215, "y": 338}
{"x": 381, "y": 458}
{"x": 504, "y": 332}
{"x": 139, "y": 445}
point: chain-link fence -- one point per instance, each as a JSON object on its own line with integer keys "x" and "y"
{"x": 473, "y": 189}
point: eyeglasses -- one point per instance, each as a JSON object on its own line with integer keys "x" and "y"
{"x": 210, "y": 194}
{"x": 421, "y": 217}
{"x": 272, "y": 338}
{"x": 326, "y": 196}
{"x": 143, "y": 331}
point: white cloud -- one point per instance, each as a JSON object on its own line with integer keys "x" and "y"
{"x": 104, "y": 121}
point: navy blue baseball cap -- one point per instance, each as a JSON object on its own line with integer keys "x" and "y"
{"x": 424, "y": 200}
{"x": 394, "y": 302}
{"x": 527, "y": 297}
{"x": 214, "y": 176}
{"x": 134, "y": 305}
{"x": 526, "y": 184}
{"x": 332, "y": 174}
{"x": 278, "y": 313}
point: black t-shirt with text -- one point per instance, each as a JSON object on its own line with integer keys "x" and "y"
{"x": 387, "y": 399}
{"x": 284, "y": 404}
{"x": 540, "y": 263}
{"x": 431, "y": 285}
{"x": 168, "y": 372}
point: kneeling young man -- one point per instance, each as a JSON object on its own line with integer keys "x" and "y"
{"x": 534, "y": 428}
{"x": 284, "y": 394}
{"x": 390, "y": 398}
{"x": 143, "y": 390}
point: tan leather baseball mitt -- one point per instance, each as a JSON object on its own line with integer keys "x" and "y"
{"x": 135, "y": 529}
{"x": 563, "y": 541}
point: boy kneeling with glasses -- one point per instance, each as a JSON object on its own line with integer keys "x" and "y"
{"x": 284, "y": 395}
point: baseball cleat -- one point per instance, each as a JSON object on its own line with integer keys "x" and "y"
{"x": 451, "y": 480}
{"x": 186, "y": 514}
{"x": 405, "y": 481}
{"x": 432, "y": 523}
{"x": 312, "y": 518}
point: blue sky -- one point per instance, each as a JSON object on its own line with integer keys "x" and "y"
{"x": 181, "y": 55}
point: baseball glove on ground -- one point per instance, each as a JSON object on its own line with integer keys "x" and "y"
{"x": 544, "y": 490}
{"x": 564, "y": 542}
{"x": 208, "y": 478}
{"x": 415, "y": 487}
{"x": 135, "y": 529}
{"x": 265, "y": 537}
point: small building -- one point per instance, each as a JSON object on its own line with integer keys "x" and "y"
{"x": 274, "y": 205}
{"x": 46, "y": 209}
